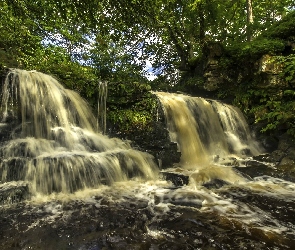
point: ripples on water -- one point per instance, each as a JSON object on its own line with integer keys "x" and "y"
{"x": 156, "y": 215}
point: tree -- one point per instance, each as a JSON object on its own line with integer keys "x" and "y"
{"x": 111, "y": 35}
{"x": 249, "y": 20}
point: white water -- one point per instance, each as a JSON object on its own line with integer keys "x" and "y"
{"x": 64, "y": 157}
{"x": 54, "y": 145}
{"x": 206, "y": 130}
{"x": 210, "y": 135}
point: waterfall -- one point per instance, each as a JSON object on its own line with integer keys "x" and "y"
{"x": 102, "y": 106}
{"x": 74, "y": 176}
{"x": 206, "y": 131}
{"x": 49, "y": 139}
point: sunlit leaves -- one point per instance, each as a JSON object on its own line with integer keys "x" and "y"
{"x": 108, "y": 34}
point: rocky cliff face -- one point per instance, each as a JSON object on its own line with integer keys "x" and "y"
{"x": 257, "y": 84}
{"x": 264, "y": 71}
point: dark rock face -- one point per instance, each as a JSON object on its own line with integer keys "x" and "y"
{"x": 212, "y": 72}
{"x": 285, "y": 152}
{"x": 275, "y": 164}
{"x": 155, "y": 140}
{"x": 11, "y": 122}
{"x": 157, "y": 143}
{"x": 285, "y": 172}
{"x": 279, "y": 163}
{"x": 270, "y": 143}
{"x": 178, "y": 179}
{"x": 10, "y": 194}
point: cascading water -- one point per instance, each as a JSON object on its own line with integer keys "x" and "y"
{"x": 206, "y": 130}
{"x": 49, "y": 145}
{"x": 53, "y": 145}
{"x": 102, "y": 106}
{"x": 214, "y": 137}
{"x": 208, "y": 133}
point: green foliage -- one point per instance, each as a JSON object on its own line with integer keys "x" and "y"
{"x": 112, "y": 62}
{"x": 287, "y": 64}
{"x": 122, "y": 93}
{"x": 284, "y": 29}
{"x": 16, "y": 38}
{"x": 135, "y": 116}
{"x": 255, "y": 49}
{"x": 280, "y": 114}
{"x": 131, "y": 106}
{"x": 270, "y": 107}
{"x": 80, "y": 46}
{"x": 123, "y": 34}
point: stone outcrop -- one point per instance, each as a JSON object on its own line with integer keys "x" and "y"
{"x": 153, "y": 139}
{"x": 278, "y": 163}
{"x": 270, "y": 70}
{"x": 13, "y": 192}
{"x": 212, "y": 73}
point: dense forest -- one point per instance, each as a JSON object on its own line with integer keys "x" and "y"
{"x": 138, "y": 46}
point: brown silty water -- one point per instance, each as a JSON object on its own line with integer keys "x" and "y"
{"x": 209, "y": 133}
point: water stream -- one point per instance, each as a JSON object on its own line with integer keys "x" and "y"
{"x": 54, "y": 146}
{"x": 209, "y": 134}
{"x": 65, "y": 185}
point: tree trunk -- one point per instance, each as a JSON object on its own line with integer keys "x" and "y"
{"x": 249, "y": 20}
{"x": 202, "y": 25}
{"x": 181, "y": 51}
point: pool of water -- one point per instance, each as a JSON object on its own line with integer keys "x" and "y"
{"x": 259, "y": 214}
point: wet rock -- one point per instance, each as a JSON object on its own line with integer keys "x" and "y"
{"x": 254, "y": 170}
{"x": 284, "y": 154}
{"x": 276, "y": 156}
{"x": 282, "y": 210}
{"x": 285, "y": 142}
{"x": 254, "y": 163}
{"x": 286, "y": 172}
{"x": 215, "y": 184}
{"x": 270, "y": 143}
{"x": 13, "y": 193}
{"x": 180, "y": 225}
{"x": 263, "y": 158}
{"x": 291, "y": 152}
{"x": 178, "y": 179}
{"x": 287, "y": 161}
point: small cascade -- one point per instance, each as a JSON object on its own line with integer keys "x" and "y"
{"x": 41, "y": 105}
{"x": 208, "y": 133}
{"x": 102, "y": 106}
{"x": 50, "y": 141}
